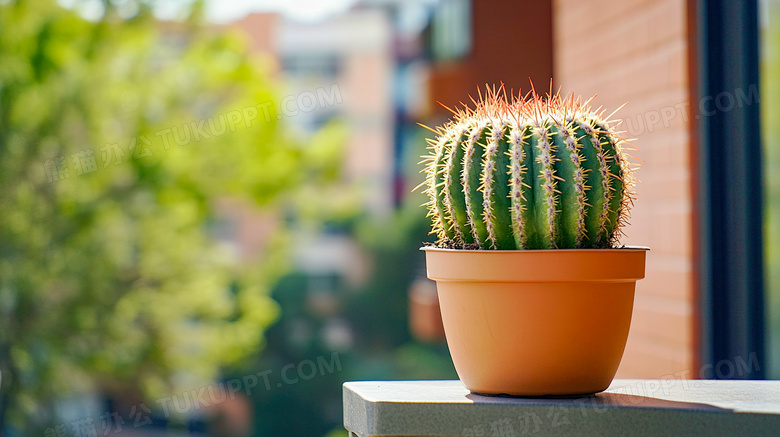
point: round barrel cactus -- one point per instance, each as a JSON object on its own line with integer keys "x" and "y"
{"x": 533, "y": 172}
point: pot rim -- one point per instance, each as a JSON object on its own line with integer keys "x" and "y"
{"x": 544, "y": 265}
{"x": 442, "y": 249}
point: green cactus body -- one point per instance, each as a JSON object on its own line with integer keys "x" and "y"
{"x": 533, "y": 173}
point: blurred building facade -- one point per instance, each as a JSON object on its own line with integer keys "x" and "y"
{"x": 351, "y": 57}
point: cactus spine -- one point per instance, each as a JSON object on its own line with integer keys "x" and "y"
{"x": 531, "y": 172}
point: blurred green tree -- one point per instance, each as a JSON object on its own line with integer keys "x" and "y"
{"x": 117, "y": 136}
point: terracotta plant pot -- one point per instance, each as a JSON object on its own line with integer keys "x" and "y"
{"x": 536, "y": 322}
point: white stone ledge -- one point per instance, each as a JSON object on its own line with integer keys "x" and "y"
{"x": 627, "y": 408}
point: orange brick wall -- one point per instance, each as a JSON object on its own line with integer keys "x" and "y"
{"x": 636, "y": 51}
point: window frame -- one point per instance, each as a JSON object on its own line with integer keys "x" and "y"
{"x": 725, "y": 46}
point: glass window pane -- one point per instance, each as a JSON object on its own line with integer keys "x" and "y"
{"x": 770, "y": 119}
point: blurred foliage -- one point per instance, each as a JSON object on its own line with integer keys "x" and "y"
{"x": 117, "y": 136}
{"x": 317, "y": 309}
{"x": 770, "y": 112}
{"x": 374, "y": 312}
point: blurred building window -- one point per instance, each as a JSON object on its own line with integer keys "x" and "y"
{"x": 451, "y": 30}
{"x": 322, "y": 66}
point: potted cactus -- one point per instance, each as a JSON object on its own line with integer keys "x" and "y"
{"x": 527, "y": 198}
